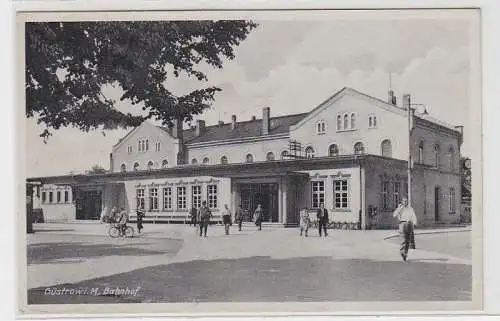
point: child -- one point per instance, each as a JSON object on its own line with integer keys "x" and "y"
{"x": 304, "y": 221}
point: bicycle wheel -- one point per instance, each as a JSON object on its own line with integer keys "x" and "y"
{"x": 113, "y": 231}
{"x": 129, "y": 231}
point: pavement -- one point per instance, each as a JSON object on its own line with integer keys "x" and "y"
{"x": 82, "y": 253}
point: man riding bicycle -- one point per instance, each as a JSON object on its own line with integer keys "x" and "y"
{"x": 123, "y": 220}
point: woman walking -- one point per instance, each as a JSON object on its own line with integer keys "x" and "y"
{"x": 226, "y": 218}
{"x": 257, "y": 217}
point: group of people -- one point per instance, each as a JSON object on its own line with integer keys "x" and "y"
{"x": 322, "y": 218}
{"x": 202, "y": 216}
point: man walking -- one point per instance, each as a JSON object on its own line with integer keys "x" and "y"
{"x": 140, "y": 215}
{"x": 204, "y": 216}
{"x": 322, "y": 215}
{"x": 238, "y": 216}
{"x": 123, "y": 220}
{"x": 257, "y": 217}
{"x": 407, "y": 221}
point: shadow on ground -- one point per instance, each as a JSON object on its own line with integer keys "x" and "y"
{"x": 262, "y": 279}
{"x": 46, "y": 253}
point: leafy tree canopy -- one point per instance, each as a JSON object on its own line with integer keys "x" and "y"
{"x": 68, "y": 63}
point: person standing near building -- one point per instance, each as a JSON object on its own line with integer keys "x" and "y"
{"x": 238, "y": 216}
{"x": 304, "y": 221}
{"x": 140, "y": 215}
{"x": 407, "y": 221}
{"x": 204, "y": 215}
{"x": 257, "y": 216}
{"x": 322, "y": 215}
{"x": 193, "y": 214}
{"x": 226, "y": 218}
{"x": 123, "y": 220}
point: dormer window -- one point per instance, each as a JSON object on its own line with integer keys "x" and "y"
{"x": 321, "y": 127}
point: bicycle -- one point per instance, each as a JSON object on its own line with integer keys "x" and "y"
{"x": 115, "y": 230}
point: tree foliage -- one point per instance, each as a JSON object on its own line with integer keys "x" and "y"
{"x": 68, "y": 63}
{"x": 96, "y": 169}
{"x": 466, "y": 178}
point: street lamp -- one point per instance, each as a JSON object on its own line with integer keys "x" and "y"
{"x": 410, "y": 113}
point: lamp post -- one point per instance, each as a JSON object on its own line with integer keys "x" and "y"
{"x": 410, "y": 113}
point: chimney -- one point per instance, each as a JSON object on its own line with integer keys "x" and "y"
{"x": 254, "y": 118}
{"x": 392, "y": 98}
{"x": 406, "y": 101}
{"x": 266, "y": 111}
{"x": 111, "y": 162}
{"x": 176, "y": 129}
{"x": 200, "y": 127}
{"x": 233, "y": 122}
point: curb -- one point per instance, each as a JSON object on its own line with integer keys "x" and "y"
{"x": 430, "y": 232}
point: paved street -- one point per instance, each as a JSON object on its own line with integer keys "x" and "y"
{"x": 171, "y": 263}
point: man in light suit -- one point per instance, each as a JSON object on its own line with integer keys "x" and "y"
{"x": 407, "y": 221}
{"x": 322, "y": 215}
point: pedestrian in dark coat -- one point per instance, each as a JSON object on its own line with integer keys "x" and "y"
{"x": 140, "y": 215}
{"x": 238, "y": 217}
{"x": 322, "y": 215}
{"x": 193, "y": 213}
{"x": 257, "y": 216}
{"x": 204, "y": 215}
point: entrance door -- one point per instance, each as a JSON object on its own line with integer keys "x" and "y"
{"x": 436, "y": 204}
{"x": 88, "y": 205}
{"x": 264, "y": 194}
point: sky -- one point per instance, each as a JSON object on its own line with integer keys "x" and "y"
{"x": 291, "y": 67}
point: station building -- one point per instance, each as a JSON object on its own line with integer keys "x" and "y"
{"x": 350, "y": 153}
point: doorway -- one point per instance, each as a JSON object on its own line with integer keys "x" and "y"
{"x": 436, "y": 203}
{"x": 264, "y": 194}
{"x": 88, "y": 205}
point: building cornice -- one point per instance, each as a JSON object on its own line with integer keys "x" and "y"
{"x": 238, "y": 140}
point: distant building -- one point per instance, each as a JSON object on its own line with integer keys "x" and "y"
{"x": 349, "y": 153}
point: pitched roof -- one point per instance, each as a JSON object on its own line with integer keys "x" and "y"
{"x": 245, "y": 129}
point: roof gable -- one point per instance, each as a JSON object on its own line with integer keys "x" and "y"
{"x": 131, "y": 133}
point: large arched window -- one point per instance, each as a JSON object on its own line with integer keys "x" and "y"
{"x": 309, "y": 152}
{"x": 386, "y": 148}
{"x": 339, "y": 122}
{"x": 206, "y": 161}
{"x": 150, "y": 165}
{"x": 333, "y": 150}
{"x": 136, "y": 166}
{"x": 451, "y": 156}
{"x": 436, "y": 155}
{"x": 194, "y": 161}
{"x": 284, "y": 154}
{"x": 346, "y": 121}
{"x": 353, "y": 121}
{"x": 270, "y": 156}
{"x": 164, "y": 163}
{"x": 359, "y": 148}
{"x": 223, "y": 160}
{"x": 421, "y": 152}
{"x": 249, "y": 158}
{"x": 123, "y": 168}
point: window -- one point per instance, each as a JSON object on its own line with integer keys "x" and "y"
{"x": 212, "y": 196}
{"x": 58, "y": 196}
{"x": 309, "y": 152}
{"x": 421, "y": 152}
{"x": 139, "y": 147}
{"x": 436, "y": 156}
{"x": 194, "y": 161}
{"x": 359, "y": 148}
{"x": 129, "y": 149}
{"x": 147, "y": 144}
{"x": 339, "y": 122}
{"x": 270, "y": 156}
{"x": 397, "y": 194}
{"x": 317, "y": 193}
{"x": 153, "y": 199}
{"x": 44, "y": 197}
{"x": 346, "y": 121}
{"x": 150, "y": 165}
{"x": 223, "y": 160}
{"x": 157, "y": 146}
{"x": 333, "y": 150}
{"x": 123, "y": 168}
{"x": 385, "y": 195}
{"x": 425, "y": 198}
{"x": 51, "y": 199}
{"x": 452, "y": 200}
{"x": 451, "y": 160}
{"x": 353, "y": 121}
{"x": 181, "y": 198}
{"x": 196, "y": 196}
{"x": 136, "y": 166}
{"x": 167, "y": 198}
{"x": 249, "y": 158}
{"x": 341, "y": 194}
{"x": 66, "y": 197}
{"x": 321, "y": 127}
{"x": 206, "y": 161}
{"x": 284, "y": 154}
{"x": 164, "y": 163}
{"x": 140, "y": 198}
{"x": 386, "y": 148}
{"x": 372, "y": 121}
